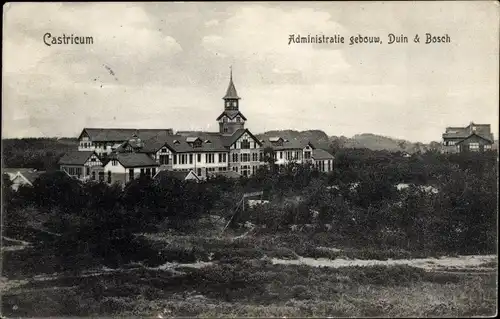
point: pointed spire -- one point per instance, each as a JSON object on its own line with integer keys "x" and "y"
{"x": 231, "y": 90}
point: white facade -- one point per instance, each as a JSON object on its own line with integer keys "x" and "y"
{"x": 85, "y": 144}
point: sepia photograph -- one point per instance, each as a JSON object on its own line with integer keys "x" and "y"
{"x": 250, "y": 159}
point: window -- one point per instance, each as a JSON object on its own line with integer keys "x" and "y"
{"x": 224, "y": 119}
{"x": 281, "y": 155}
{"x": 238, "y": 119}
{"x": 164, "y": 159}
{"x": 164, "y": 150}
{"x": 224, "y": 157}
{"x": 228, "y": 104}
{"x": 142, "y": 172}
{"x": 245, "y": 170}
{"x": 148, "y": 172}
{"x": 190, "y": 158}
{"x": 261, "y": 156}
{"x": 245, "y": 157}
{"x": 210, "y": 158}
{"x": 234, "y": 103}
{"x": 307, "y": 155}
{"x": 175, "y": 159}
{"x": 254, "y": 157}
{"x": 101, "y": 176}
{"x": 114, "y": 162}
{"x": 153, "y": 172}
{"x": 197, "y": 144}
{"x": 198, "y": 157}
{"x": 235, "y": 158}
{"x": 487, "y": 147}
{"x": 109, "y": 177}
{"x": 245, "y": 144}
{"x": 88, "y": 170}
{"x": 199, "y": 171}
{"x": 474, "y": 146}
{"x": 93, "y": 176}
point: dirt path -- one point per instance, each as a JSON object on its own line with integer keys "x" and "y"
{"x": 457, "y": 263}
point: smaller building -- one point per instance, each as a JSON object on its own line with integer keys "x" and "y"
{"x": 83, "y": 165}
{"x": 291, "y": 151}
{"x": 124, "y": 167}
{"x": 322, "y": 160}
{"x": 473, "y": 138}
{"x": 21, "y": 176}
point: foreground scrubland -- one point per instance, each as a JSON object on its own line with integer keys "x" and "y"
{"x": 160, "y": 247}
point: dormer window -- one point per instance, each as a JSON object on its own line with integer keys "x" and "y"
{"x": 208, "y": 142}
{"x": 176, "y": 142}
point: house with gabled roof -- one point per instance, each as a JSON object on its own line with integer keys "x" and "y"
{"x": 473, "y": 138}
{"x": 81, "y": 164}
{"x": 124, "y": 167}
{"x": 21, "y": 176}
{"x": 292, "y": 151}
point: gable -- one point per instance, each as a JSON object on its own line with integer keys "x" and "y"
{"x": 245, "y": 134}
{"x": 94, "y": 159}
{"x": 84, "y": 136}
{"x": 474, "y": 138}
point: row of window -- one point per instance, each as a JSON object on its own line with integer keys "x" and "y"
{"x": 189, "y": 158}
{"x": 74, "y": 171}
{"x": 86, "y": 144}
{"x": 245, "y": 169}
{"x": 292, "y": 155}
{"x": 255, "y": 157}
{"x": 322, "y": 165}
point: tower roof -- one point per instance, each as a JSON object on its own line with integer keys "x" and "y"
{"x": 231, "y": 90}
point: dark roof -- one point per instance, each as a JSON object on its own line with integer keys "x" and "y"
{"x": 173, "y": 174}
{"x": 231, "y": 90}
{"x": 286, "y": 144}
{"x": 76, "y": 158}
{"x": 319, "y": 154}
{"x": 481, "y": 130}
{"x": 122, "y": 134}
{"x": 474, "y": 134}
{"x": 178, "y": 143}
{"x": 231, "y": 114}
{"x": 129, "y": 160}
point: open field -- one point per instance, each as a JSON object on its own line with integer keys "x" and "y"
{"x": 249, "y": 276}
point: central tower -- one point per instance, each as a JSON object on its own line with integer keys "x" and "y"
{"x": 231, "y": 119}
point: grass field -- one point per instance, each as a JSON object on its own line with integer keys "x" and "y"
{"x": 228, "y": 277}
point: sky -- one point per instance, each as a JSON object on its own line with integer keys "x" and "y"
{"x": 166, "y": 65}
